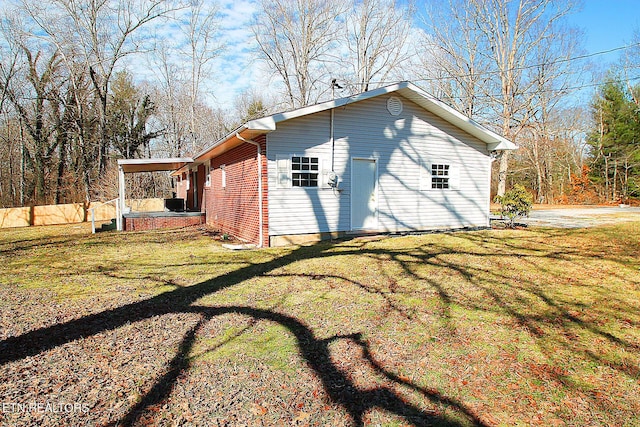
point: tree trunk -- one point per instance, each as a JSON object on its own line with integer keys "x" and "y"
{"x": 606, "y": 177}
{"x": 62, "y": 150}
{"x": 502, "y": 172}
{"x": 614, "y": 184}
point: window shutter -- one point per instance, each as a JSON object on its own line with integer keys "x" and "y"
{"x": 454, "y": 177}
{"x": 283, "y": 175}
{"x": 425, "y": 176}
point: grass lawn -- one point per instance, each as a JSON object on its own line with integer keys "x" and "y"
{"x": 497, "y": 327}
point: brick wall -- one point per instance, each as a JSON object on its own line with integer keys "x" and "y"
{"x": 234, "y": 208}
{"x": 155, "y": 223}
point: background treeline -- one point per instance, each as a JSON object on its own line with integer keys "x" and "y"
{"x": 85, "y": 82}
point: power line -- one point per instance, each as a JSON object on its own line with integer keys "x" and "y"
{"x": 564, "y": 89}
{"x": 526, "y": 67}
{"x": 602, "y": 52}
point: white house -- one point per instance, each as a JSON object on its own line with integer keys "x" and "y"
{"x": 392, "y": 159}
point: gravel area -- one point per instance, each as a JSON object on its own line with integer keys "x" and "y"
{"x": 582, "y": 217}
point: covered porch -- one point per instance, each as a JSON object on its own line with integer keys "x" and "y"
{"x": 175, "y": 212}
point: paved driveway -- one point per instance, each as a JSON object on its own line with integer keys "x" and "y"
{"x": 581, "y": 217}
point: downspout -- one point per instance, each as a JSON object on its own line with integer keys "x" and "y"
{"x": 120, "y": 204}
{"x": 333, "y": 142}
{"x": 260, "y": 216}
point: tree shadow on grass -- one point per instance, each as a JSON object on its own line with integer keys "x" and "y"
{"x": 355, "y": 401}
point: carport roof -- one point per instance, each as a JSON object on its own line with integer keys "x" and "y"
{"x": 153, "y": 165}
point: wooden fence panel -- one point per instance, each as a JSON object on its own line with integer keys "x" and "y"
{"x": 71, "y": 213}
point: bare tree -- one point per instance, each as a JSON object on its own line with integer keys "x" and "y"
{"x": 32, "y": 103}
{"x": 101, "y": 33}
{"x": 91, "y": 39}
{"x": 515, "y": 29}
{"x": 549, "y": 79}
{"x": 200, "y": 29}
{"x": 376, "y": 37}
{"x": 454, "y": 64}
{"x": 498, "y": 42}
{"x": 9, "y": 56}
{"x": 295, "y": 39}
{"x": 8, "y": 66}
{"x": 171, "y": 94}
{"x": 183, "y": 66}
{"x": 252, "y": 104}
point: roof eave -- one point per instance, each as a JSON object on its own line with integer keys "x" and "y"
{"x": 502, "y": 144}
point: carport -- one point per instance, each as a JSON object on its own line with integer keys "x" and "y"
{"x": 128, "y": 166}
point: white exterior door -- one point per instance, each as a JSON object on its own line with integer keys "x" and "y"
{"x": 364, "y": 198}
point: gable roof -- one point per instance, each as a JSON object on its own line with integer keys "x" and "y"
{"x": 407, "y": 90}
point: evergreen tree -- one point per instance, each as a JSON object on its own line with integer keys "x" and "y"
{"x": 615, "y": 141}
{"x": 128, "y": 116}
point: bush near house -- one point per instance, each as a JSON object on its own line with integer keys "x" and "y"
{"x": 516, "y": 203}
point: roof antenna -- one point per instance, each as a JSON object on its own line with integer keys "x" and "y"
{"x": 334, "y": 85}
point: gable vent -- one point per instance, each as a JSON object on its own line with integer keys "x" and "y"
{"x": 394, "y": 105}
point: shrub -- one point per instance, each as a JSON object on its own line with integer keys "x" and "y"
{"x": 515, "y": 203}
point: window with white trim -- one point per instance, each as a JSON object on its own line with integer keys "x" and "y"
{"x": 223, "y": 176}
{"x": 207, "y": 174}
{"x": 440, "y": 176}
{"x": 304, "y": 171}
{"x": 301, "y": 171}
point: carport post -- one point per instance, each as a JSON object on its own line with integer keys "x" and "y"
{"x": 120, "y": 206}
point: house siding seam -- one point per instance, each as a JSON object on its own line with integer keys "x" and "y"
{"x": 234, "y": 209}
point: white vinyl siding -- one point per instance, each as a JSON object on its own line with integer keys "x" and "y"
{"x": 404, "y": 147}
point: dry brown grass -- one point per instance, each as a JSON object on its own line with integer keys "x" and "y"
{"x": 524, "y": 327}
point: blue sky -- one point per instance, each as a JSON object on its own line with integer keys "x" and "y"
{"x": 607, "y": 25}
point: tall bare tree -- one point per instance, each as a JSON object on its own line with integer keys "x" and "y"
{"x": 203, "y": 47}
{"x": 376, "y": 37}
{"x": 295, "y": 39}
{"x": 504, "y": 36}
{"x": 101, "y": 33}
{"x": 33, "y": 103}
{"x": 548, "y": 80}
{"x": 515, "y": 29}
{"x": 454, "y": 66}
